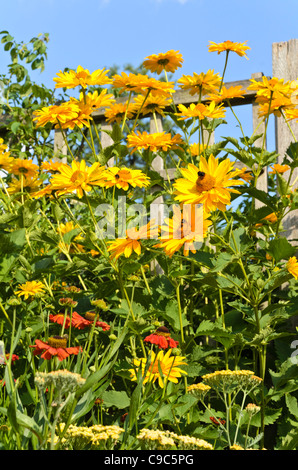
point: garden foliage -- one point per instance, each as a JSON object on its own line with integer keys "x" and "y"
{"x": 120, "y": 331}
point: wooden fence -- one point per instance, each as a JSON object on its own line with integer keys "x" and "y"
{"x": 285, "y": 66}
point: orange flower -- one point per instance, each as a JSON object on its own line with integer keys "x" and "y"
{"x": 168, "y": 61}
{"x": 239, "y": 47}
{"x": 277, "y": 168}
{"x": 56, "y": 346}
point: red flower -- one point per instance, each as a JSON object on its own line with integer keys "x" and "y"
{"x": 77, "y": 321}
{"x": 162, "y": 338}
{"x": 59, "y": 318}
{"x": 83, "y": 322}
{"x": 217, "y": 421}
{"x": 55, "y": 346}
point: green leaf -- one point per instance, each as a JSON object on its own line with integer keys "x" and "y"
{"x": 115, "y": 398}
{"x": 292, "y": 404}
{"x": 281, "y": 248}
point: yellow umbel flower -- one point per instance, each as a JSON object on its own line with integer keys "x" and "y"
{"x": 292, "y": 266}
{"x": 239, "y": 47}
{"x": 168, "y": 61}
{"x": 30, "y": 289}
{"x": 81, "y": 77}
{"x": 210, "y": 184}
{"x": 77, "y": 177}
{"x": 162, "y": 367}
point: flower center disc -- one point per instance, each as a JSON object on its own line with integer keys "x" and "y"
{"x": 124, "y": 175}
{"x": 204, "y": 182}
{"x": 57, "y": 342}
{"x": 90, "y": 316}
{"x": 78, "y": 177}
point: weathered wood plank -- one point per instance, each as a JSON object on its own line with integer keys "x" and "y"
{"x": 285, "y": 65}
{"x": 259, "y": 126}
{"x": 184, "y": 97}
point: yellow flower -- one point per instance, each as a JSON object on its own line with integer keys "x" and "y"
{"x": 292, "y": 266}
{"x": 184, "y": 230}
{"x": 26, "y": 184}
{"x": 21, "y": 166}
{"x": 51, "y": 166}
{"x": 246, "y": 175}
{"x": 66, "y": 228}
{"x": 162, "y": 367}
{"x": 77, "y": 177}
{"x": 153, "y": 104}
{"x": 197, "y": 149}
{"x": 126, "y": 246}
{"x": 274, "y": 106}
{"x": 30, "y": 289}
{"x": 168, "y": 61}
{"x": 5, "y": 162}
{"x": 277, "y": 168}
{"x": 226, "y": 94}
{"x": 202, "y": 83}
{"x": 82, "y": 77}
{"x": 5, "y": 159}
{"x": 201, "y": 111}
{"x": 97, "y": 99}
{"x": 123, "y": 178}
{"x": 156, "y": 87}
{"x": 268, "y": 87}
{"x": 210, "y": 184}
{"x": 56, "y": 114}
{"x": 127, "y": 82}
{"x": 239, "y": 47}
{"x": 291, "y": 114}
{"x": 117, "y": 111}
{"x": 155, "y": 142}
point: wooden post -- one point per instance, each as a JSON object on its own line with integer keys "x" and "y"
{"x": 60, "y": 147}
{"x": 106, "y": 140}
{"x": 285, "y": 65}
{"x": 157, "y": 209}
{"x": 259, "y": 126}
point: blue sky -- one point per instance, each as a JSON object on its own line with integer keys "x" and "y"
{"x": 102, "y": 33}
